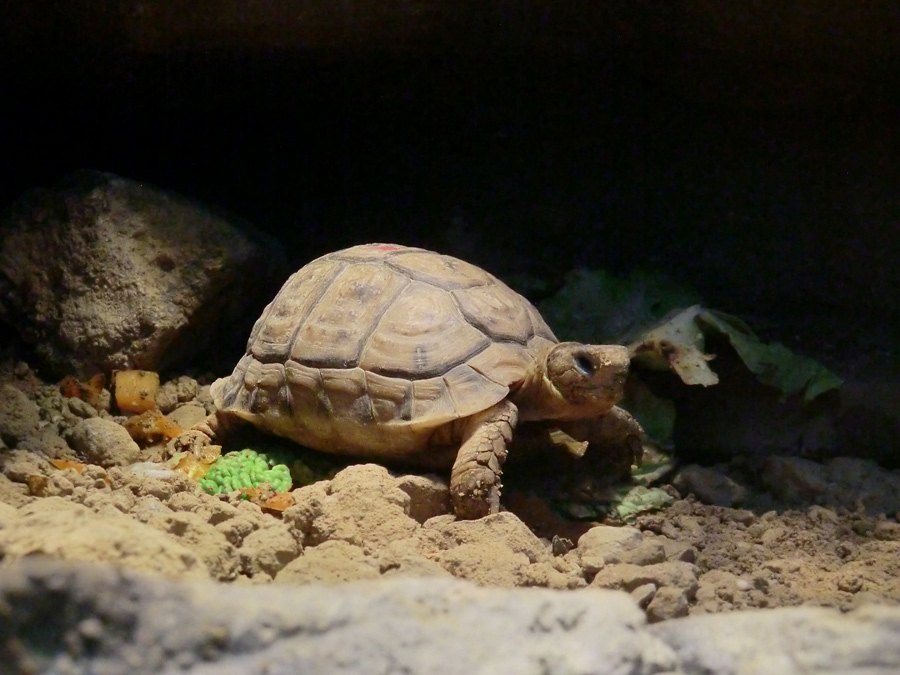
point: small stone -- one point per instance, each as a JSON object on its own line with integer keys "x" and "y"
{"x": 19, "y": 415}
{"x": 18, "y": 465}
{"x": 645, "y": 553}
{"x": 187, "y": 415}
{"x": 643, "y": 594}
{"x": 667, "y": 603}
{"x": 429, "y": 496}
{"x": 103, "y": 442}
{"x": 330, "y": 562}
{"x": 819, "y": 514}
{"x": 850, "y": 583}
{"x": 177, "y": 391}
{"x": 709, "y": 485}
{"x": 604, "y": 544}
{"x": 268, "y": 550}
{"x": 561, "y": 545}
{"x": 846, "y": 550}
{"x": 773, "y": 535}
{"x": 887, "y": 530}
{"x": 81, "y": 408}
{"x": 628, "y": 577}
{"x": 679, "y": 550}
{"x": 795, "y": 478}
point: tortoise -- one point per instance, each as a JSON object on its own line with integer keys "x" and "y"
{"x": 399, "y": 354}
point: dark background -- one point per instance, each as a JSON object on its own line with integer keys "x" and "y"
{"x": 750, "y": 151}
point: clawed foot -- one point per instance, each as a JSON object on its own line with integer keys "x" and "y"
{"x": 476, "y": 494}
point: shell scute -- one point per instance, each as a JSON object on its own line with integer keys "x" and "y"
{"x": 333, "y": 332}
{"x": 497, "y": 310}
{"x": 392, "y": 398}
{"x": 471, "y": 391}
{"x": 440, "y": 270}
{"x": 273, "y": 333}
{"x": 421, "y": 335}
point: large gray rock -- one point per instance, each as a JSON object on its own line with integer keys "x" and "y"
{"x": 787, "y": 641}
{"x": 99, "y": 272}
{"x": 58, "y": 617}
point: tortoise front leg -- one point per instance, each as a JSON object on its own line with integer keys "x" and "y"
{"x": 475, "y": 479}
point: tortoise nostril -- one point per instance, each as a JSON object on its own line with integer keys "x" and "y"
{"x": 585, "y": 365}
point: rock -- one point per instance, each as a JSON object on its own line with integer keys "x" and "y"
{"x": 18, "y": 465}
{"x": 643, "y": 594}
{"x": 605, "y": 544}
{"x": 103, "y": 442}
{"x": 719, "y": 591}
{"x": 429, "y": 496}
{"x": 65, "y": 617}
{"x": 60, "y": 529}
{"x": 101, "y": 273}
{"x": 187, "y": 415}
{"x": 709, "y": 486}
{"x": 13, "y": 494}
{"x": 404, "y": 559}
{"x": 667, "y": 603}
{"x": 412, "y": 626}
{"x": 795, "y": 478}
{"x": 848, "y": 482}
{"x": 8, "y": 513}
{"x": 48, "y": 443}
{"x": 208, "y": 543}
{"x": 173, "y": 392}
{"x": 504, "y": 528}
{"x": 268, "y": 550}
{"x": 147, "y": 479}
{"x": 648, "y": 552}
{"x": 331, "y": 562}
{"x": 19, "y": 415}
{"x": 499, "y": 550}
{"x": 361, "y": 505}
{"x": 628, "y": 577}
{"x": 887, "y": 530}
{"x": 787, "y": 641}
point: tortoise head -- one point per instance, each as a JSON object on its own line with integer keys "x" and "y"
{"x": 575, "y": 381}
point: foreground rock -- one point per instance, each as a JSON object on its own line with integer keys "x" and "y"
{"x": 57, "y": 617}
{"x": 100, "y": 272}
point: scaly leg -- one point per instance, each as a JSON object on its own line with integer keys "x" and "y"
{"x": 475, "y": 479}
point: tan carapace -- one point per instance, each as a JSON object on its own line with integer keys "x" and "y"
{"x": 394, "y": 353}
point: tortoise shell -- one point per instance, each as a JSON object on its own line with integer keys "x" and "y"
{"x": 370, "y": 350}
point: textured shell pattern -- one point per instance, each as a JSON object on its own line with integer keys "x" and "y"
{"x": 381, "y": 334}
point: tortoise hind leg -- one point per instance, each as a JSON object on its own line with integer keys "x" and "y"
{"x": 475, "y": 479}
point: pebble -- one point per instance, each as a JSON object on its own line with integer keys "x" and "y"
{"x": 709, "y": 486}
{"x": 103, "y": 442}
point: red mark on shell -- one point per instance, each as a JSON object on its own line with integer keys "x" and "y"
{"x": 386, "y": 247}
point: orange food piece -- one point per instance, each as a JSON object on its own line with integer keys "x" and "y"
{"x": 279, "y": 502}
{"x": 151, "y": 426}
{"x": 87, "y": 391}
{"x": 197, "y": 467}
{"x": 62, "y": 464}
{"x": 136, "y": 390}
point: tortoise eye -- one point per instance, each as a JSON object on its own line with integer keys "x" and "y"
{"x": 585, "y": 365}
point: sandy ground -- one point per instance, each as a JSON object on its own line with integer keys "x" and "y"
{"x": 804, "y": 533}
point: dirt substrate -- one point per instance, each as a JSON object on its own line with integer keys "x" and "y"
{"x": 805, "y": 532}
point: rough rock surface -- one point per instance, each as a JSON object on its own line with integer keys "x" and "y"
{"x": 68, "y": 531}
{"x": 100, "y": 272}
{"x": 104, "y": 443}
{"x": 60, "y": 618}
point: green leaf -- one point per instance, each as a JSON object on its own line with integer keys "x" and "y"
{"x": 773, "y": 363}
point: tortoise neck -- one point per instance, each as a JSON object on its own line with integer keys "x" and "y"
{"x": 537, "y": 398}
